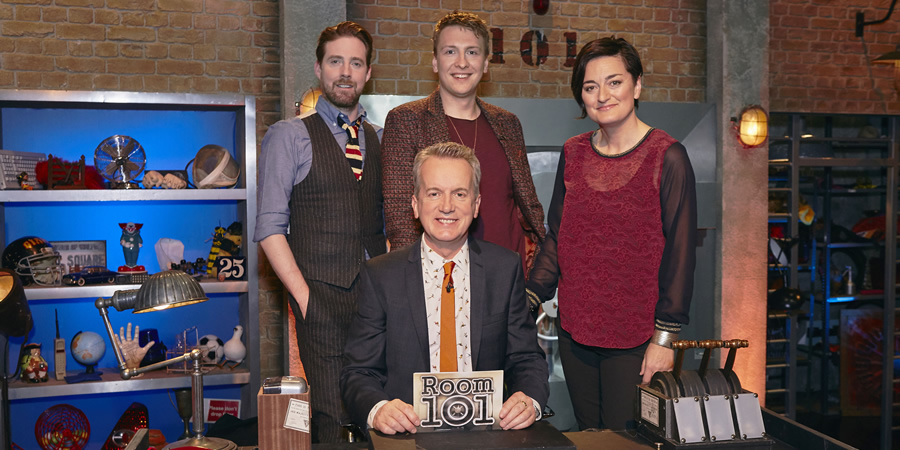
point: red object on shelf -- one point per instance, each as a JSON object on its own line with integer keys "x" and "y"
{"x": 62, "y": 427}
{"x": 134, "y": 418}
{"x": 68, "y": 173}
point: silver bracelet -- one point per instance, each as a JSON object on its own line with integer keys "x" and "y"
{"x": 663, "y": 338}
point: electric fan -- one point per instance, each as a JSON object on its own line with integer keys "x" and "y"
{"x": 62, "y": 427}
{"x": 120, "y": 159}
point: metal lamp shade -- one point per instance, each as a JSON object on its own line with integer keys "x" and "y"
{"x": 169, "y": 289}
{"x": 15, "y": 315}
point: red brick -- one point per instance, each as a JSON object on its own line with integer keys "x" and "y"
{"x": 228, "y": 23}
{"x": 145, "y": 5}
{"x": 227, "y": 69}
{"x": 19, "y": 29}
{"x": 106, "y": 49}
{"x": 265, "y": 71}
{"x": 133, "y": 19}
{"x": 28, "y": 80}
{"x": 386, "y": 13}
{"x": 252, "y": 55}
{"x": 80, "y": 3}
{"x": 265, "y": 40}
{"x": 82, "y": 32}
{"x": 54, "y": 80}
{"x": 156, "y": 20}
{"x": 643, "y": 14}
{"x": 156, "y": 83}
{"x": 29, "y": 46}
{"x": 53, "y": 47}
{"x": 264, "y": 9}
{"x": 54, "y": 15}
{"x": 28, "y": 2}
{"x": 625, "y": 12}
{"x": 232, "y": 85}
{"x": 228, "y": 54}
{"x": 106, "y": 17}
{"x": 131, "y": 66}
{"x": 28, "y": 13}
{"x": 251, "y": 24}
{"x": 79, "y": 15}
{"x": 157, "y": 51}
{"x": 180, "y": 36}
{"x": 26, "y": 62}
{"x": 179, "y": 68}
{"x": 194, "y": 6}
{"x": 181, "y": 20}
{"x": 232, "y": 7}
{"x": 204, "y": 52}
{"x": 663, "y": 28}
{"x": 135, "y": 83}
{"x": 131, "y": 50}
{"x": 182, "y": 52}
{"x": 121, "y": 33}
{"x": 226, "y": 38}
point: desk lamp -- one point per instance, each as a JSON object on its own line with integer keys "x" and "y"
{"x": 163, "y": 290}
{"x": 15, "y": 320}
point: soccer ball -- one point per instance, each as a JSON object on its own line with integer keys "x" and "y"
{"x": 212, "y": 348}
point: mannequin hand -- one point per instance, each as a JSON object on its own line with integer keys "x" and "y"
{"x": 131, "y": 348}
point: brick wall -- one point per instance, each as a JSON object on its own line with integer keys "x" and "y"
{"x": 670, "y": 34}
{"x": 817, "y": 64}
{"x": 212, "y": 46}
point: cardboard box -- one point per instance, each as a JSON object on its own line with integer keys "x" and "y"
{"x": 282, "y": 421}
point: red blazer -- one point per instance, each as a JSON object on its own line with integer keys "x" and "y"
{"x": 412, "y": 127}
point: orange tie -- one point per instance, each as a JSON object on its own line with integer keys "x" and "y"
{"x": 448, "y": 321}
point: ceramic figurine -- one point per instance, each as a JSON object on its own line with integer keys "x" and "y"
{"x": 33, "y": 365}
{"x": 131, "y": 245}
{"x": 22, "y": 178}
{"x": 235, "y": 351}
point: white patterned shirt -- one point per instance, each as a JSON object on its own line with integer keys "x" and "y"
{"x": 433, "y": 278}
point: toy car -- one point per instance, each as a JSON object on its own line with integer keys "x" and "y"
{"x": 90, "y": 275}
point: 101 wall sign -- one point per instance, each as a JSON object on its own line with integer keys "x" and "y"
{"x": 533, "y": 47}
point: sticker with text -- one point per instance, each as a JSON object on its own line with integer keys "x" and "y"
{"x": 297, "y": 417}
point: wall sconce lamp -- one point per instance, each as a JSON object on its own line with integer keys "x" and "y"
{"x": 163, "y": 290}
{"x": 307, "y": 101}
{"x": 891, "y": 58}
{"x": 861, "y": 19}
{"x": 753, "y": 127}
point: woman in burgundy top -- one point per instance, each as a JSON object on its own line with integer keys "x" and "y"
{"x": 621, "y": 245}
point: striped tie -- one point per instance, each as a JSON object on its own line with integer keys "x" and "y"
{"x": 354, "y": 156}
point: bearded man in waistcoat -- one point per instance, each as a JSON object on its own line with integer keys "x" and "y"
{"x": 320, "y": 213}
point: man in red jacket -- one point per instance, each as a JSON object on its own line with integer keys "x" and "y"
{"x": 511, "y": 216}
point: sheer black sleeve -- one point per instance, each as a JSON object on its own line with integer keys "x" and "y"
{"x": 544, "y": 276}
{"x": 678, "y": 199}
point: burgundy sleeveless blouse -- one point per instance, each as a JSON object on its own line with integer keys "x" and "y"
{"x": 611, "y": 242}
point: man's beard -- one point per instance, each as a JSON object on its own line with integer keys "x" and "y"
{"x": 341, "y": 100}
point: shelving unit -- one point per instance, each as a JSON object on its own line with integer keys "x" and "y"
{"x": 849, "y": 166}
{"x": 175, "y": 212}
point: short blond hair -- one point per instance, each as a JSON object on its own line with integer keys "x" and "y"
{"x": 450, "y": 150}
{"x": 466, "y": 20}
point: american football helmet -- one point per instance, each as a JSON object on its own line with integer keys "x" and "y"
{"x": 35, "y": 260}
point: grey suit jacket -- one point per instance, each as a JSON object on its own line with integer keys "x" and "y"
{"x": 388, "y": 340}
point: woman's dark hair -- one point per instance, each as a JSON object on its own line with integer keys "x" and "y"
{"x": 608, "y": 46}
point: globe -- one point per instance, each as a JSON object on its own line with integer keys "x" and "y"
{"x": 87, "y": 348}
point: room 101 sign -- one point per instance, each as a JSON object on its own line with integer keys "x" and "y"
{"x": 458, "y": 400}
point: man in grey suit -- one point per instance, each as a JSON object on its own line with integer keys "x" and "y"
{"x": 402, "y": 318}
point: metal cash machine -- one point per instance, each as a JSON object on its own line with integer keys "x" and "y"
{"x": 703, "y": 408}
